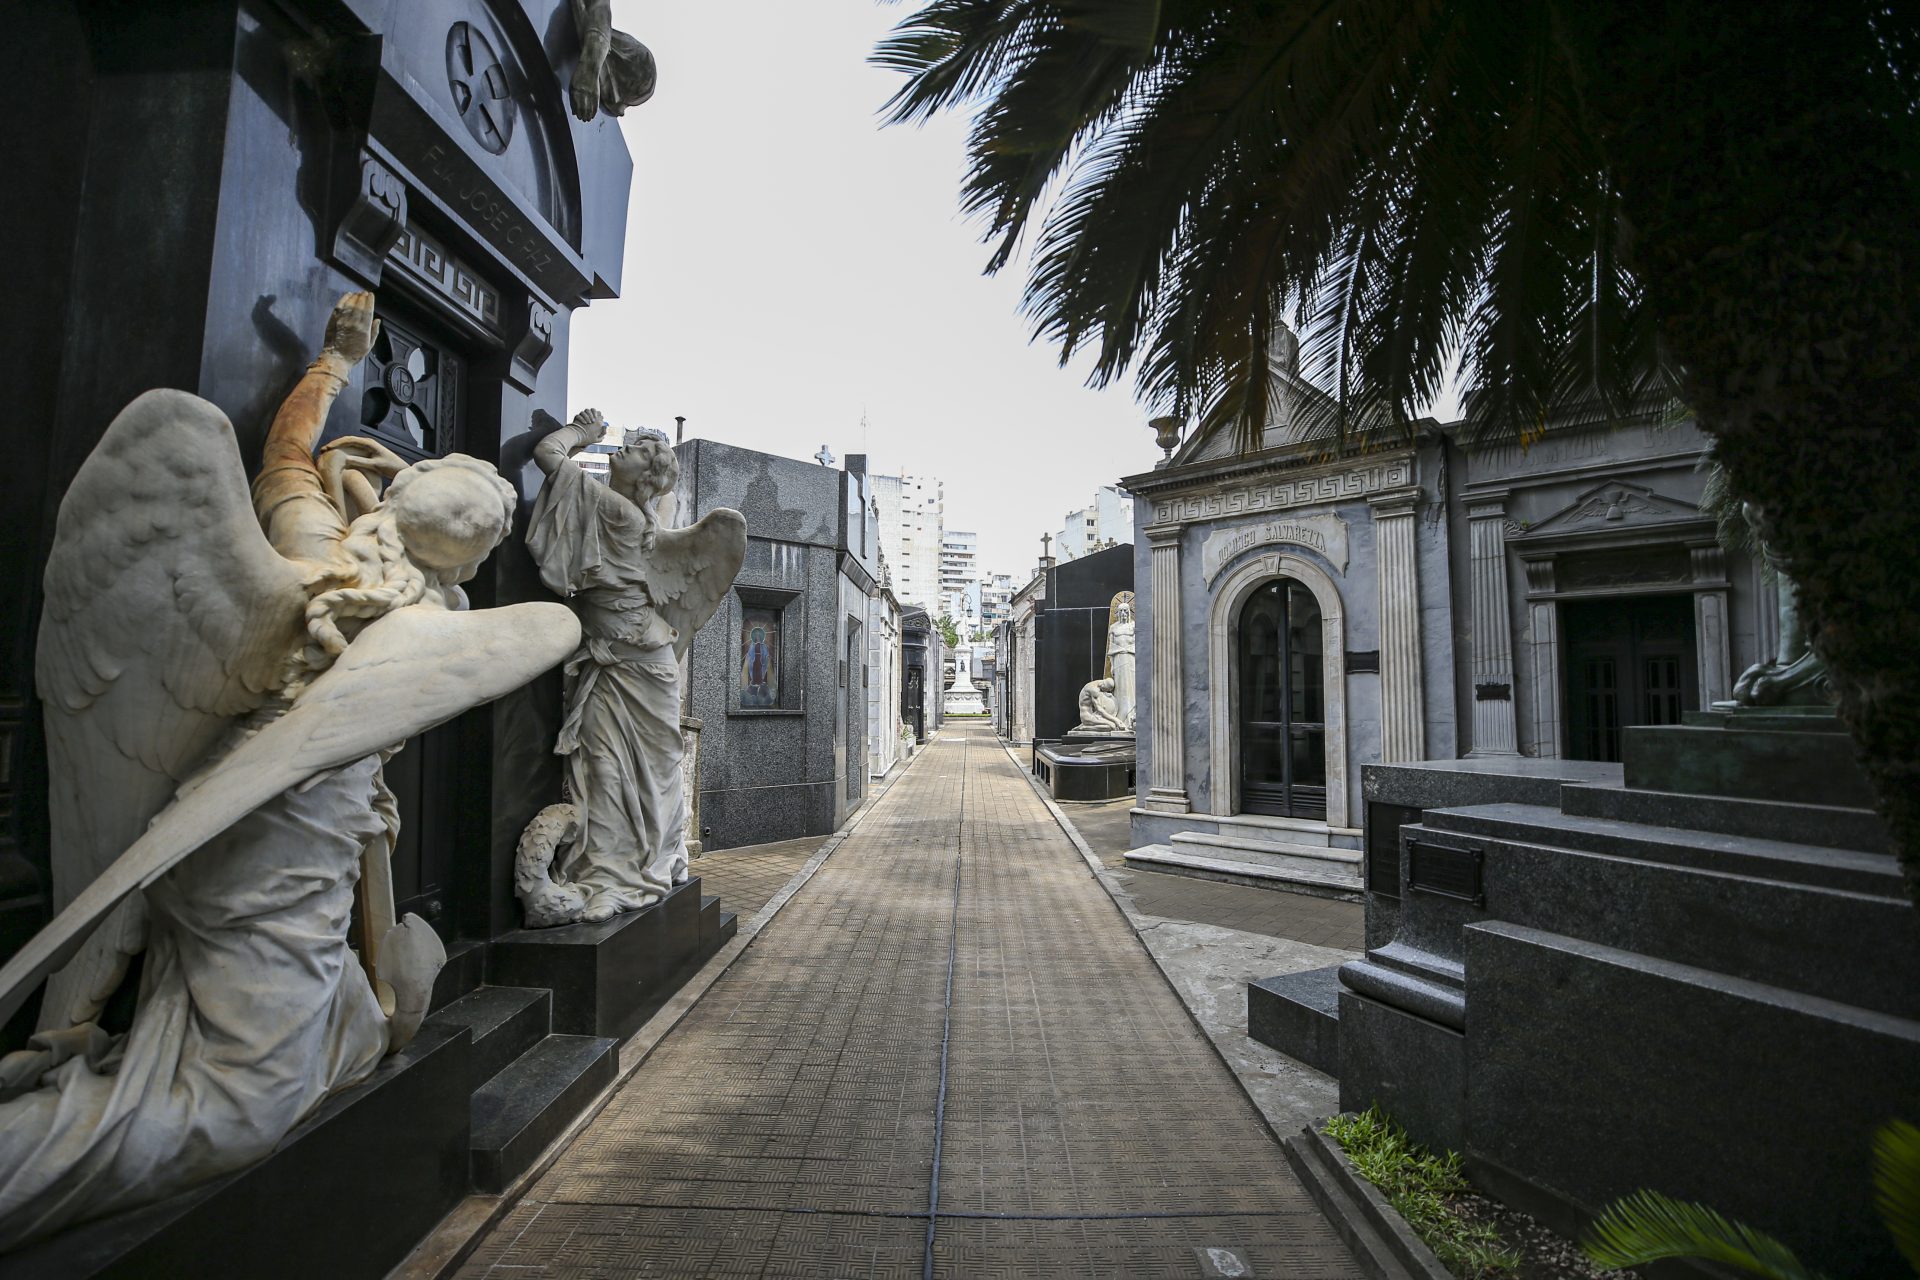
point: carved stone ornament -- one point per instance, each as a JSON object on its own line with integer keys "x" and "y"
{"x": 1616, "y": 504}
{"x": 643, "y": 588}
{"x": 481, "y": 87}
{"x": 223, "y": 679}
{"x": 374, "y": 220}
{"x": 535, "y": 345}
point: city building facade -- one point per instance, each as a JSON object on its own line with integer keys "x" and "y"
{"x": 1105, "y": 522}
{"x": 912, "y": 523}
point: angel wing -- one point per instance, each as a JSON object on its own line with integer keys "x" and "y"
{"x": 690, "y": 570}
{"x": 405, "y": 673}
{"x": 167, "y": 614}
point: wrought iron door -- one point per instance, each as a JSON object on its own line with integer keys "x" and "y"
{"x": 1630, "y": 661}
{"x": 1282, "y": 703}
{"x": 415, "y": 392}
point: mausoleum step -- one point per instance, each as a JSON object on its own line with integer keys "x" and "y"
{"x": 527, "y": 1105}
{"x": 505, "y": 1022}
{"x": 1314, "y": 859}
{"x": 1819, "y": 865}
{"x": 1824, "y": 826}
{"x": 464, "y": 971}
{"x": 1318, "y": 884}
{"x": 1260, "y": 826}
{"x": 1298, "y": 1014}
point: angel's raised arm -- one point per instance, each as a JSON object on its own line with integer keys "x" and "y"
{"x": 290, "y": 495}
{"x": 558, "y": 446}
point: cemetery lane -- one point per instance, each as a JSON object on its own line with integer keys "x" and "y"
{"x": 948, "y": 1055}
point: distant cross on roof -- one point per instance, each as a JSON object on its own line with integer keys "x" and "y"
{"x": 1046, "y": 544}
{"x": 824, "y": 457}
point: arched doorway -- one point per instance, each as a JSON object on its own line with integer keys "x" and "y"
{"x": 1282, "y": 702}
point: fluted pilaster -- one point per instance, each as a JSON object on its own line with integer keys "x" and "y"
{"x": 1167, "y": 772}
{"x": 1402, "y": 698}
{"x": 1494, "y": 731}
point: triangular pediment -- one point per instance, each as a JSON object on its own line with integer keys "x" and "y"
{"x": 1616, "y": 505}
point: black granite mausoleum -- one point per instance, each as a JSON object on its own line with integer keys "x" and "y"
{"x": 195, "y": 184}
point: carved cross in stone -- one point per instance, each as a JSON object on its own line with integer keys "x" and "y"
{"x": 1046, "y": 545}
{"x": 824, "y": 457}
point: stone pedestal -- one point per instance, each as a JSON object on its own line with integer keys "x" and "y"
{"x": 608, "y": 978}
{"x": 348, "y": 1193}
{"x": 1086, "y": 768}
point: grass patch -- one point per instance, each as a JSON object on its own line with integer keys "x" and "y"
{"x": 1421, "y": 1186}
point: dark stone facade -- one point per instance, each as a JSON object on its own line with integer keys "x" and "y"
{"x": 210, "y": 177}
{"x": 796, "y": 768}
{"x": 1070, "y": 634}
{"x": 201, "y": 181}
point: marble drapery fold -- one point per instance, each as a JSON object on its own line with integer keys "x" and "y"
{"x": 641, "y": 590}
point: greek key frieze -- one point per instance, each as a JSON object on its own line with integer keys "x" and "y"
{"x": 1282, "y": 493}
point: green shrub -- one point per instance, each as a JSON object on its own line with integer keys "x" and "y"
{"x": 1421, "y": 1186}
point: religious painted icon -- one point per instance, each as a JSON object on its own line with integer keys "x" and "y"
{"x": 760, "y": 658}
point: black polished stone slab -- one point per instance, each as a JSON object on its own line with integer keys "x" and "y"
{"x": 606, "y": 978}
{"x": 520, "y": 1111}
{"x": 1838, "y": 826}
{"x": 1298, "y": 1014}
{"x": 1413, "y": 1069}
{"x": 348, "y": 1193}
{"x": 1597, "y": 1071}
{"x": 1805, "y": 766}
{"x": 1086, "y": 768}
{"x": 464, "y": 971}
{"x": 504, "y": 1021}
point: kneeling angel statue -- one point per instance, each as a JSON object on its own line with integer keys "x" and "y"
{"x": 643, "y": 589}
{"x": 223, "y": 680}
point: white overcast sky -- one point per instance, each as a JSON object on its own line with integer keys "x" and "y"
{"x": 792, "y": 266}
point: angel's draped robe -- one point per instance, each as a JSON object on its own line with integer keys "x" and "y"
{"x": 621, "y": 735}
{"x": 252, "y": 1009}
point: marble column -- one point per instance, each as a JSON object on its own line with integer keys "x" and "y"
{"x": 1544, "y": 624}
{"x": 1167, "y": 776}
{"x": 1712, "y": 645}
{"x": 1402, "y": 698}
{"x": 1494, "y": 732}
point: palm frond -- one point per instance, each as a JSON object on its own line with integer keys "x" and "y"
{"x": 1647, "y": 1227}
{"x": 1414, "y": 180}
{"x": 1896, "y": 1186}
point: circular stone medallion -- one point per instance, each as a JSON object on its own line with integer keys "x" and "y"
{"x": 481, "y": 91}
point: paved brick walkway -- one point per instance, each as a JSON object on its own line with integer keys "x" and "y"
{"x": 746, "y": 878}
{"x": 951, "y": 993}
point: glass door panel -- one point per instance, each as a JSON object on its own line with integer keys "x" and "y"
{"x": 1282, "y": 696}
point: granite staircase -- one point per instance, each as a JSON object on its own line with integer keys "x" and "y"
{"x": 542, "y": 1054}
{"x": 1656, "y": 957}
{"x": 1293, "y": 855}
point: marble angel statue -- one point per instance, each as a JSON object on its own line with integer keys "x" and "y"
{"x": 1120, "y": 656}
{"x": 643, "y": 587}
{"x": 223, "y": 679}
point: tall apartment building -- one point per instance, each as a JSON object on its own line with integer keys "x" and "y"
{"x": 960, "y": 568}
{"x": 996, "y": 599}
{"x": 912, "y": 522}
{"x": 1106, "y": 522}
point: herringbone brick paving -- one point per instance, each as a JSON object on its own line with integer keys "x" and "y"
{"x": 788, "y": 1127}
